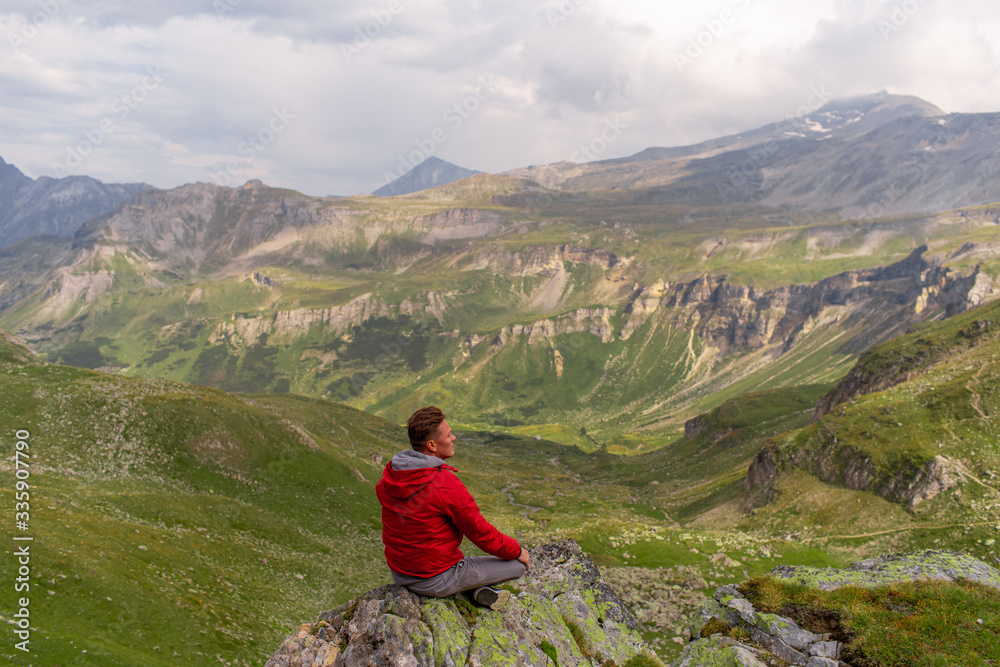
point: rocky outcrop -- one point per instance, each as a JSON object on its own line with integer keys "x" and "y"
{"x": 927, "y": 565}
{"x": 596, "y": 321}
{"x": 561, "y": 613}
{"x": 742, "y": 316}
{"x": 909, "y": 485}
{"x": 777, "y": 635}
{"x": 817, "y": 640}
{"x": 460, "y": 223}
{"x": 73, "y": 289}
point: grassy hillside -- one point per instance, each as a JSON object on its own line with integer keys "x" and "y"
{"x": 173, "y": 524}
{"x": 230, "y": 518}
{"x": 928, "y": 396}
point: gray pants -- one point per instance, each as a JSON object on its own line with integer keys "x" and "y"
{"x": 470, "y": 572}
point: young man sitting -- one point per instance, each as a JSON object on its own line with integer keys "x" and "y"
{"x": 426, "y": 511}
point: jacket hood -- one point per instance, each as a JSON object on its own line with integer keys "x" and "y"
{"x": 410, "y": 459}
{"x": 409, "y": 471}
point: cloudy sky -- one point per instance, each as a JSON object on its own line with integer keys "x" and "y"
{"x": 334, "y": 97}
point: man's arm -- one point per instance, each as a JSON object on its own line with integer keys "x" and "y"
{"x": 465, "y": 514}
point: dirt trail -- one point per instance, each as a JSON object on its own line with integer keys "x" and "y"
{"x": 976, "y": 398}
{"x": 528, "y": 509}
{"x": 898, "y": 530}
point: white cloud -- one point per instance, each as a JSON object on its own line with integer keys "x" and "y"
{"x": 560, "y": 69}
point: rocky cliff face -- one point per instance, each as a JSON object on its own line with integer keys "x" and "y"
{"x": 734, "y": 316}
{"x": 562, "y": 613}
{"x": 910, "y": 484}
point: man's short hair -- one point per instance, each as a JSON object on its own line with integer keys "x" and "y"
{"x": 422, "y": 426}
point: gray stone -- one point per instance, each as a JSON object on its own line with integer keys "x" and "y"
{"x": 777, "y": 646}
{"x": 822, "y": 662}
{"x": 718, "y": 651}
{"x": 563, "y": 602}
{"x": 825, "y": 650}
{"x": 934, "y": 565}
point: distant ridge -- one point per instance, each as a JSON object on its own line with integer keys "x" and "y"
{"x": 866, "y": 156}
{"x": 54, "y": 206}
{"x": 430, "y": 173}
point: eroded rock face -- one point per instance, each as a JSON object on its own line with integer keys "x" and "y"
{"x": 736, "y": 316}
{"x": 562, "y": 610}
{"x": 782, "y": 637}
{"x": 910, "y": 485}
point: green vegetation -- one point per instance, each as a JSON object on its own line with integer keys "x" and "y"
{"x": 914, "y": 624}
{"x": 643, "y": 660}
{"x": 551, "y": 651}
{"x": 322, "y": 312}
{"x": 231, "y": 517}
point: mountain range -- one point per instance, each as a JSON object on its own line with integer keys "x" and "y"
{"x": 697, "y": 362}
{"x": 53, "y": 206}
{"x": 559, "y": 288}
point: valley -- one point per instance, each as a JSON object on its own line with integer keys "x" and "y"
{"x": 696, "y": 383}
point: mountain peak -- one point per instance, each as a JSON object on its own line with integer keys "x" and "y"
{"x": 430, "y": 173}
{"x": 884, "y": 102}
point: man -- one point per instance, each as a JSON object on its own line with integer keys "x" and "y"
{"x": 426, "y": 511}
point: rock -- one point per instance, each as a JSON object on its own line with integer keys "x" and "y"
{"x": 563, "y": 607}
{"x": 719, "y": 651}
{"x": 935, "y": 565}
{"x": 781, "y": 636}
{"x": 825, "y": 650}
{"x": 822, "y": 662}
{"x": 784, "y": 638}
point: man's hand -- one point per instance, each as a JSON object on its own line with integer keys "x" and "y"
{"x": 524, "y": 558}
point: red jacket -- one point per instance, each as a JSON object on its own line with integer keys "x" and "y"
{"x": 425, "y": 513}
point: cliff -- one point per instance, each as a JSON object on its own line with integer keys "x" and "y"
{"x": 733, "y": 316}
{"x": 562, "y": 613}
{"x": 889, "y": 426}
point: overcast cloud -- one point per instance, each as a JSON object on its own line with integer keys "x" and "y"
{"x": 297, "y": 95}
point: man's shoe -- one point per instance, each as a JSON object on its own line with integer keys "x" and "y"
{"x": 494, "y": 598}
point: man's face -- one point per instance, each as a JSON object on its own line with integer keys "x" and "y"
{"x": 444, "y": 442}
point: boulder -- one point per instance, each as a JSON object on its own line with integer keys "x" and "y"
{"x": 561, "y": 613}
{"x": 930, "y": 564}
